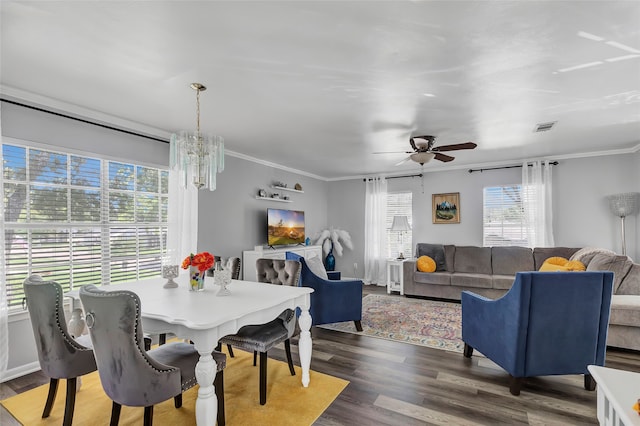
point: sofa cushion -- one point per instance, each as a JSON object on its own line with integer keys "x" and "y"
{"x": 625, "y": 310}
{"x": 462, "y": 279}
{"x": 619, "y": 265}
{"x": 426, "y": 264}
{"x": 449, "y": 254}
{"x": 502, "y": 282}
{"x": 473, "y": 260}
{"x": 509, "y": 260}
{"x": 434, "y": 251}
{"x": 585, "y": 254}
{"x": 540, "y": 254}
{"x": 631, "y": 283}
{"x": 437, "y": 278}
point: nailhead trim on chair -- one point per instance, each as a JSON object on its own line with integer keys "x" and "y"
{"x": 137, "y": 303}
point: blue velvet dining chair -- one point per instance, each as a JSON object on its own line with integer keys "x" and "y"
{"x": 332, "y": 300}
{"x": 548, "y": 323}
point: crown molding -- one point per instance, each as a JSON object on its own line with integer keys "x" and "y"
{"x": 515, "y": 162}
{"x": 274, "y": 165}
{"x": 55, "y": 105}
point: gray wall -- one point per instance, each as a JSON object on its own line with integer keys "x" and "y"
{"x": 581, "y": 212}
{"x": 345, "y": 210}
{"x": 231, "y": 219}
{"x": 36, "y": 126}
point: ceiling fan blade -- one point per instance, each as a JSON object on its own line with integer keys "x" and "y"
{"x": 403, "y": 161}
{"x": 392, "y": 152}
{"x": 443, "y": 157}
{"x": 455, "y": 147}
{"x": 413, "y": 144}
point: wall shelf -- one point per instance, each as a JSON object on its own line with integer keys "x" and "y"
{"x": 272, "y": 199}
{"x": 288, "y": 189}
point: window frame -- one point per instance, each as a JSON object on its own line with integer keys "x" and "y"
{"x": 393, "y": 237}
{"x": 67, "y": 231}
{"x": 514, "y": 228}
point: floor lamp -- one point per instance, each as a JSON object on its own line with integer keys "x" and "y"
{"x": 623, "y": 205}
{"x": 400, "y": 224}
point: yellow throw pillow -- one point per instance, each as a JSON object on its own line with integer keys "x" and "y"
{"x": 426, "y": 264}
{"x": 575, "y": 265}
{"x": 554, "y": 264}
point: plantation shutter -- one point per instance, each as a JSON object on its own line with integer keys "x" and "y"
{"x": 399, "y": 204}
{"x": 80, "y": 220}
{"x": 503, "y": 218}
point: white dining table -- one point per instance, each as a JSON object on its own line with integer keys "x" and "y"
{"x": 204, "y": 317}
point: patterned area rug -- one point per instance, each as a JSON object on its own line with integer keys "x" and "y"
{"x": 417, "y": 321}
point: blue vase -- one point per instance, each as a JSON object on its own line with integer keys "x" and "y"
{"x": 330, "y": 261}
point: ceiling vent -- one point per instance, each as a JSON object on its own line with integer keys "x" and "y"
{"x": 544, "y": 127}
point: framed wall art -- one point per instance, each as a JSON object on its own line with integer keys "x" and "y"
{"x": 446, "y": 208}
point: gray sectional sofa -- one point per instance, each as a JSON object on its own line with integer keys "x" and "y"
{"x": 490, "y": 271}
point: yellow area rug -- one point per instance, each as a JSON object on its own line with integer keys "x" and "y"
{"x": 288, "y": 402}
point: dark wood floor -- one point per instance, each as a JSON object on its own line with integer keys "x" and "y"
{"x": 400, "y": 384}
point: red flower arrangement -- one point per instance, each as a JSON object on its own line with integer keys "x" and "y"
{"x": 202, "y": 261}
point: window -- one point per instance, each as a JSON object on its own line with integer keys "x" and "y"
{"x": 503, "y": 217}
{"x": 399, "y": 204}
{"x": 80, "y": 220}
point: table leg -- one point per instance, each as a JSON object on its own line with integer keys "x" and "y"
{"x": 304, "y": 345}
{"x": 207, "y": 402}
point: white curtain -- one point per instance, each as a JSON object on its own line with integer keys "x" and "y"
{"x": 536, "y": 202}
{"x": 4, "y": 304}
{"x": 375, "y": 232}
{"x": 182, "y": 235}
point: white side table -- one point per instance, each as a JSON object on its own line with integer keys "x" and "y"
{"x": 617, "y": 391}
{"x": 395, "y": 276}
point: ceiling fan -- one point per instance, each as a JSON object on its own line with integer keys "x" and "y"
{"x": 425, "y": 151}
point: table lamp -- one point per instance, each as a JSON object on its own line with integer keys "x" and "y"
{"x": 400, "y": 224}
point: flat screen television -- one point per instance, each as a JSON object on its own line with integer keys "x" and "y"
{"x": 285, "y": 227}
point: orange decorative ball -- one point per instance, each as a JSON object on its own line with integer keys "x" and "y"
{"x": 426, "y": 264}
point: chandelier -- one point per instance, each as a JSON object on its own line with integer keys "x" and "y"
{"x": 197, "y": 157}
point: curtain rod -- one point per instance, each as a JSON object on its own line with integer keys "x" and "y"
{"x": 82, "y": 120}
{"x": 553, "y": 163}
{"x": 396, "y": 177}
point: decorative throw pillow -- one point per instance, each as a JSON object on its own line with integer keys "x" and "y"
{"x": 435, "y": 252}
{"x": 426, "y": 264}
{"x": 619, "y": 265}
{"x": 554, "y": 264}
{"x": 586, "y": 254}
{"x": 315, "y": 265}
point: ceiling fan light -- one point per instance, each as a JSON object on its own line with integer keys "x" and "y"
{"x": 422, "y": 157}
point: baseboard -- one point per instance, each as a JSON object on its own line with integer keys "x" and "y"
{"x": 20, "y": 371}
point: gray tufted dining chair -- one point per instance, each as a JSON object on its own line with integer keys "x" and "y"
{"x": 129, "y": 374}
{"x": 261, "y": 338}
{"x": 60, "y": 355}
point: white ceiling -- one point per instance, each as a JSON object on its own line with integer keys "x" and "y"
{"x": 321, "y": 86}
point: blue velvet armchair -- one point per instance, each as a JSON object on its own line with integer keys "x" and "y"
{"x": 332, "y": 300}
{"x": 548, "y": 323}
